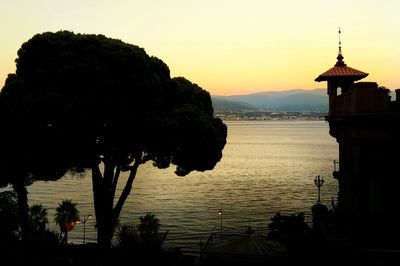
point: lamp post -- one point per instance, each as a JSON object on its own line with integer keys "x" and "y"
{"x": 319, "y": 181}
{"x": 220, "y": 214}
{"x": 334, "y": 165}
{"x": 84, "y": 220}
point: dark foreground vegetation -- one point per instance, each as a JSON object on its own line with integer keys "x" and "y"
{"x": 143, "y": 243}
{"x": 88, "y": 254}
{"x": 302, "y": 251}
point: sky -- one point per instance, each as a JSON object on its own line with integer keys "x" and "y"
{"x": 227, "y": 47}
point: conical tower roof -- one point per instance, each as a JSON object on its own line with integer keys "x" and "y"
{"x": 341, "y": 70}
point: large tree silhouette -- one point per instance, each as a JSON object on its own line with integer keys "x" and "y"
{"x": 80, "y": 101}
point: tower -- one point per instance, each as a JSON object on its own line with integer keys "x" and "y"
{"x": 364, "y": 122}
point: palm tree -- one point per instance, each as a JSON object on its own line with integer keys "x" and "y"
{"x": 148, "y": 231}
{"x": 67, "y": 215}
{"x": 149, "y": 225}
{"x": 38, "y": 221}
{"x": 127, "y": 236}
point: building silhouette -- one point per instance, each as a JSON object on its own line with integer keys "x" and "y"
{"x": 365, "y": 122}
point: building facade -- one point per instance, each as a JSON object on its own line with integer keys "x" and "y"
{"x": 365, "y": 122}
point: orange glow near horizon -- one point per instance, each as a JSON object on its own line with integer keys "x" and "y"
{"x": 227, "y": 47}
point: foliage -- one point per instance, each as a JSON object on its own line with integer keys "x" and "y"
{"x": 145, "y": 236}
{"x": 148, "y": 226}
{"x": 84, "y": 101}
{"x": 66, "y": 216}
{"x": 38, "y": 221}
{"x": 285, "y": 227}
{"x": 51, "y": 238}
{"x": 127, "y": 236}
{"x": 8, "y": 216}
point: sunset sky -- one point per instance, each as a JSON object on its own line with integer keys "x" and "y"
{"x": 226, "y": 46}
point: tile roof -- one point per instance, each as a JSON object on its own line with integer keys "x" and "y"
{"x": 341, "y": 70}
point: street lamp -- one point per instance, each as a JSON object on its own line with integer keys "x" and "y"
{"x": 220, "y": 214}
{"x": 319, "y": 181}
{"x": 334, "y": 165}
{"x": 84, "y": 220}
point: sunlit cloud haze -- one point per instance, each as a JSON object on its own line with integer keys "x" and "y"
{"x": 226, "y": 46}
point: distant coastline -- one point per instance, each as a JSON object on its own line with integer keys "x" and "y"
{"x": 260, "y": 115}
{"x": 296, "y": 100}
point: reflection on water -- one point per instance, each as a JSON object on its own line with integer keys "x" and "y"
{"x": 267, "y": 167}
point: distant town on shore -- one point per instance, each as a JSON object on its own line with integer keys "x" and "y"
{"x": 275, "y": 105}
{"x": 259, "y": 115}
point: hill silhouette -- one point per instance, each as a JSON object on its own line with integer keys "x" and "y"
{"x": 315, "y": 100}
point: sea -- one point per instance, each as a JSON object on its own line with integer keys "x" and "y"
{"x": 267, "y": 167}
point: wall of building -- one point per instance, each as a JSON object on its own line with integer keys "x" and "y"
{"x": 363, "y": 97}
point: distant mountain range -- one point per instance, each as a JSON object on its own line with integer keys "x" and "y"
{"x": 291, "y": 100}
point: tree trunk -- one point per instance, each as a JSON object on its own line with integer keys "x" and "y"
{"x": 98, "y": 198}
{"x": 103, "y": 206}
{"x": 65, "y": 240}
{"x": 23, "y": 207}
{"x": 104, "y": 186}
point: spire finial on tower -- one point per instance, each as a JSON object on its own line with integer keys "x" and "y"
{"x": 340, "y": 43}
{"x": 340, "y": 55}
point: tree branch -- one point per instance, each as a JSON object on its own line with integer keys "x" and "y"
{"x": 96, "y": 176}
{"x": 108, "y": 171}
{"x": 115, "y": 181}
{"x": 128, "y": 186}
{"x": 97, "y": 189}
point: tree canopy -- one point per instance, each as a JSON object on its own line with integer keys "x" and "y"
{"x": 85, "y": 101}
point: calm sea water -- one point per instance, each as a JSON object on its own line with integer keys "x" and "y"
{"x": 267, "y": 167}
